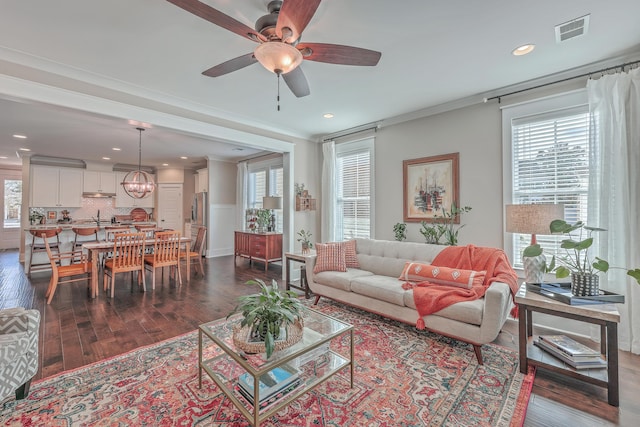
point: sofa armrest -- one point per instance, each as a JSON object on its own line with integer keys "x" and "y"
{"x": 497, "y": 303}
{"x": 21, "y": 320}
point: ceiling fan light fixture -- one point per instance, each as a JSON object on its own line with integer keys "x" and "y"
{"x": 278, "y": 57}
{"x": 138, "y": 184}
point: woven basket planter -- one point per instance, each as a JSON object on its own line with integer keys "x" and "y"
{"x": 242, "y": 338}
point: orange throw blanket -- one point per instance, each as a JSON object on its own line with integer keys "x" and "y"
{"x": 430, "y": 297}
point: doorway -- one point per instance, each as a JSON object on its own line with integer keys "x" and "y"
{"x": 169, "y": 214}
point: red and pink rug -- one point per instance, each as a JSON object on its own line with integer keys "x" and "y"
{"x": 404, "y": 377}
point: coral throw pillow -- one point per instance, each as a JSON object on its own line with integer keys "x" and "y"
{"x": 350, "y": 256}
{"x": 422, "y": 272}
{"x": 330, "y": 257}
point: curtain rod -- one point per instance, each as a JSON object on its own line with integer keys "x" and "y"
{"x": 603, "y": 70}
{"x": 355, "y": 130}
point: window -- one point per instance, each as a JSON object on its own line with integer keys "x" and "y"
{"x": 354, "y": 189}
{"x": 550, "y": 162}
{"x": 266, "y": 179}
{"x": 12, "y": 202}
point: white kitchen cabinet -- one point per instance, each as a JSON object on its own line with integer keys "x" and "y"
{"x": 202, "y": 181}
{"x": 99, "y": 182}
{"x": 56, "y": 187}
{"x": 123, "y": 200}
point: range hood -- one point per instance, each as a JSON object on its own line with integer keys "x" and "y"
{"x": 98, "y": 195}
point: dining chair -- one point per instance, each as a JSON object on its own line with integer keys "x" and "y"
{"x": 196, "y": 251}
{"x": 68, "y": 266}
{"x": 38, "y": 239}
{"x": 128, "y": 256}
{"x": 166, "y": 253}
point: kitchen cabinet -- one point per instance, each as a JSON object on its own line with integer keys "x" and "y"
{"x": 56, "y": 187}
{"x": 99, "y": 182}
{"x": 265, "y": 247}
{"x": 123, "y": 200}
{"x": 202, "y": 181}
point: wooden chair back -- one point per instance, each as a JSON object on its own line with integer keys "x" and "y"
{"x": 66, "y": 265}
{"x": 166, "y": 249}
{"x": 83, "y": 232}
{"x": 198, "y": 245}
{"x": 128, "y": 252}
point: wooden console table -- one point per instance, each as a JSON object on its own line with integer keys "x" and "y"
{"x": 265, "y": 247}
{"x": 605, "y": 315}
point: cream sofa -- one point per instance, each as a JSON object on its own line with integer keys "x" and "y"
{"x": 375, "y": 287}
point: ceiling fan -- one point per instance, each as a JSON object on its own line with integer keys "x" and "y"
{"x": 278, "y": 34}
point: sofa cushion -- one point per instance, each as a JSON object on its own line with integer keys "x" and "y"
{"x": 350, "y": 255}
{"x": 466, "y": 311}
{"x": 338, "y": 279}
{"x": 383, "y": 288}
{"x": 460, "y": 278}
{"x": 387, "y": 258}
{"x": 13, "y": 346}
{"x": 330, "y": 258}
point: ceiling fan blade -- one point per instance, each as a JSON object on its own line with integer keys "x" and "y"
{"x": 338, "y": 54}
{"x": 220, "y": 19}
{"x": 231, "y": 65}
{"x": 295, "y": 14}
{"x": 297, "y": 82}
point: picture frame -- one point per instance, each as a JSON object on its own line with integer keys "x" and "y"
{"x": 430, "y": 185}
{"x": 51, "y": 214}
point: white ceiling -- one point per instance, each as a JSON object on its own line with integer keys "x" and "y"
{"x": 151, "y": 53}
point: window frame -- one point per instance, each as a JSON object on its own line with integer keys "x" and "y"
{"x": 542, "y": 108}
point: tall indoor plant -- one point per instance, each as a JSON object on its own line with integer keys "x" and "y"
{"x": 266, "y": 312}
{"x": 577, "y": 261}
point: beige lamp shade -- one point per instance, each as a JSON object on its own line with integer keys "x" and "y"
{"x": 532, "y": 219}
{"x": 272, "y": 202}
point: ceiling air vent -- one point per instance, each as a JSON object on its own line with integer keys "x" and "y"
{"x": 574, "y": 28}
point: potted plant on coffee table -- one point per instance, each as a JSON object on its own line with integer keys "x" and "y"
{"x": 577, "y": 261}
{"x": 271, "y": 316}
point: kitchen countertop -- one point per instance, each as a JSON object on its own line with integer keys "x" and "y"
{"x": 86, "y": 224}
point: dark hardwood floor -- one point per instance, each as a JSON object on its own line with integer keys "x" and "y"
{"x": 77, "y": 330}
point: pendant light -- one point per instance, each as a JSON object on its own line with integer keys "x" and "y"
{"x": 138, "y": 184}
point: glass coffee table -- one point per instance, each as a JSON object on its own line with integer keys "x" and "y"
{"x": 308, "y": 363}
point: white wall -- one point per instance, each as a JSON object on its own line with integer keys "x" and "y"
{"x": 308, "y": 166}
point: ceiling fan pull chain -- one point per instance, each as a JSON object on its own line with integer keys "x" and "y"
{"x": 278, "y": 97}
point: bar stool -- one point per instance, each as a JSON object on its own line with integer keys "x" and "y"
{"x": 82, "y": 232}
{"x": 39, "y": 235}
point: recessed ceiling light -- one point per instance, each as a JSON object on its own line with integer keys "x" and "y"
{"x": 3, "y": 157}
{"x": 328, "y": 115}
{"x": 165, "y": 164}
{"x": 524, "y": 49}
{"x": 106, "y": 158}
{"x": 184, "y": 157}
{"x": 237, "y": 149}
{"x": 19, "y": 136}
{"x": 25, "y": 149}
{"x": 116, "y": 149}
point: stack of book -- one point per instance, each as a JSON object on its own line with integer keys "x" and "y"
{"x": 272, "y": 386}
{"x": 571, "y": 352}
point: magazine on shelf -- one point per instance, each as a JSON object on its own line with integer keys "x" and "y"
{"x": 266, "y": 401}
{"x": 562, "y": 292}
{"x": 596, "y": 364}
{"x": 271, "y": 382}
{"x": 568, "y": 346}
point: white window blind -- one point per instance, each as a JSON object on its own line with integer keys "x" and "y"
{"x": 257, "y": 189}
{"x": 550, "y": 155}
{"x": 353, "y": 170}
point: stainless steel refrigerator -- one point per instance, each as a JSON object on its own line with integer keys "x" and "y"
{"x": 199, "y": 215}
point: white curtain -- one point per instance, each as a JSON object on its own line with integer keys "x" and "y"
{"x": 328, "y": 206}
{"x": 241, "y": 194}
{"x": 614, "y": 101}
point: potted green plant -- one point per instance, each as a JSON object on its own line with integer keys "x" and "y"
{"x": 577, "y": 262}
{"x": 444, "y": 226}
{"x": 263, "y": 218}
{"x": 304, "y": 239}
{"x": 400, "y": 231}
{"x": 35, "y": 218}
{"x": 268, "y": 313}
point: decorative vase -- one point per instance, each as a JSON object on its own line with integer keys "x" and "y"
{"x": 584, "y": 285}
{"x": 534, "y": 268}
{"x": 305, "y": 248}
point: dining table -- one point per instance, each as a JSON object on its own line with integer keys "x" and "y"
{"x": 94, "y": 250}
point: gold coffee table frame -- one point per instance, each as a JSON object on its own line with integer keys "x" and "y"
{"x": 224, "y": 367}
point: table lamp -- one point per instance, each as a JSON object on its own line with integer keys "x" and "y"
{"x": 532, "y": 219}
{"x": 272, "y": 203}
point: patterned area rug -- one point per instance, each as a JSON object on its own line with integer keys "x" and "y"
{"x": 403, "y": 377}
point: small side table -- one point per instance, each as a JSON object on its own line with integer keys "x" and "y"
{"x": 302, "y": 285}
{"x": 605, "y": 315}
